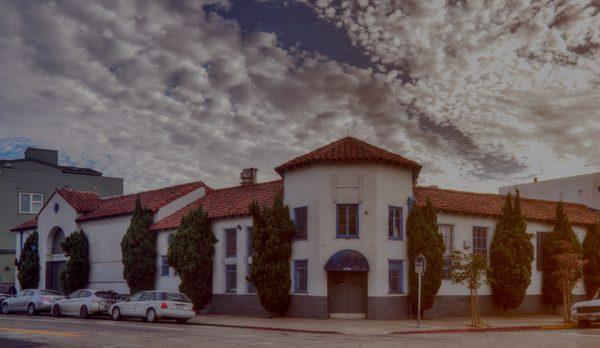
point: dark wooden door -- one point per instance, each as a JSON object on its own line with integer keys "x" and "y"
{"x": 347, "y": 294}
{"x": 53, "y": 269}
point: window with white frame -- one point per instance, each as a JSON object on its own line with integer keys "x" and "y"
{"x": 447, "y": 232}
{"x": 249, "y": 236}
{"x": 230, "y": 242}
{"x": 347, "y": 220}
{"x": 396, "y": 276}
{"x": 30, "y": 203}
{"x": 164, "y": 266}
{"x": 300, "y": 276}
{"x": 480, "y": 237}
{"x": 230, "y": 279}
{"x": 395, "y": 223}
{"x": 300, "y": 221}
{"x": 251, "y": 289}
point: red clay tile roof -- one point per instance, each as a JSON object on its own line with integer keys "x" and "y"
{"x": 350, "y": 149}
{"x": 81, "y": 201}
{"x": 226, "y": 202}
{"x": 490, "y": 205}
{"x": 153, "y": 200}
{"x": 27, "y": 225}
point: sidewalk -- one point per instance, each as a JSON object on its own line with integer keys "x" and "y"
{"x": 384, "y": 327}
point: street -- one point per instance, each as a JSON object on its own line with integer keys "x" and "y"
{"x": 45, "y": 331}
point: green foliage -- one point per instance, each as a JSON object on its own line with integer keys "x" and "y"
{"x": 191, "y": 251}
{"x": 591, "y": 253}
{"x": 511, "y": 256}
{"x": 468, "y": 269}
{"x": 552, "y": 245}
{"x": 75, "y": 274}
{"x": 424, "y": 238}
{"x": 273, "y": 232}
{"x": 29, "y": 263}
{"x": 138, "y": 250}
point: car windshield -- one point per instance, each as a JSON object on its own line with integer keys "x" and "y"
{"x": 174, "y": 296}
{"x": 49, "y": 292}
{"x": 107, "y": 294}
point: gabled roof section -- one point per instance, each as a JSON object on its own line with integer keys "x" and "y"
{"x": 226, "y": 203}
{"x": 81, "y": 201}
{"x": 153, "y": 200}
{"x": 27, "y": 225}
{"x": 350, "y": 149}
{"x": 490, "y": 205}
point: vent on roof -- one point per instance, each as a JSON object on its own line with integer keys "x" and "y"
{"x": 248, "y": 176}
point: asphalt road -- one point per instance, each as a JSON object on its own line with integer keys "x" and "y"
{"x": 45, "y": 331}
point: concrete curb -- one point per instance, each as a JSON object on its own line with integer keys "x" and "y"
{"x": 267, "y": 328}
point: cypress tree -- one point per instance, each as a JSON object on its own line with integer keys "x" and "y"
{"x": 29, "y": 263}
{"x": 191, "y": 252}
{"x": 551, "y": 247}
{"x": 273, "y": 231}
{"x": 138, "y": 250}
{"x": 511, "y": 256}
{"x": 591, "y": 253}
{"x": 424, "y": 238}
{"x": 75, "y": 274}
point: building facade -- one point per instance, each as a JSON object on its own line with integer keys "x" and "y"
{"x": 582, "y": 189}
{"x": 349, "y": 201}
{"x": 25, "y": 186}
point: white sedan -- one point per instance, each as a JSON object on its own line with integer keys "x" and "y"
{"x": 85, "y": 302}
{"x": 153, "y": 305}
{"x": 585, "y": 312}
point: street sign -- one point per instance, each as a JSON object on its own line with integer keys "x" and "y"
{"x": 420, "y": 264}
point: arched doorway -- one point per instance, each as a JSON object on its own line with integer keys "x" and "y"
{"x": 55, "y": 258}
{"x": 347, "y": 284}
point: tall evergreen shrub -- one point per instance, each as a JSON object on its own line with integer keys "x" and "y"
{"x": 591, "y": 253}
{"x": 75, "y": 274}
{"x": 29, "y": 263}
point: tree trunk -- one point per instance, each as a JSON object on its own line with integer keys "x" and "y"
{"x": 472, "y": 307}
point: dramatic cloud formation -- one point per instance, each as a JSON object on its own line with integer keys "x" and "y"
{"x": 162, "y": 92}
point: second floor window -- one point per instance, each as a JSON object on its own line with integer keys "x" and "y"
{"x": 230, "y": 242}
{"x": 164, "y": 266}
{"x": 347, "y": 220}
{"x": 395, "y": 223}
{"x": 480, "y": 240}
{"x": 249, "y": 236}
{"x": 447, "y": 232}
{"x": 300, "y": 221}
{"x": 30, "y": 203}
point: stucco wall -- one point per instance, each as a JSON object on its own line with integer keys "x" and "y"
{"x": 170, "y": 282}
{"x": 241, "y": 260}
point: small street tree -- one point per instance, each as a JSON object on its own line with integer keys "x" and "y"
{"x": 511, "y": 256}
{"x": 470, "y": 269}
{"x": 591, "y": 253}
{"x": 75, "y": 274}
{"x": 568, "y": 273}
{"x": 29, "y": 263}
{"x": 138, "y": 249}
{"x": 552, "y": 246}
{"x": 191, "y": 251}
{"x": 424, "y": 238}
{"x": 273, "y": 231}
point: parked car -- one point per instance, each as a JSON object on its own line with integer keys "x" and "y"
{"x": 6, "y": 291}
{"x": 154, "y": 305}
{"x": 31, "y": 300}
{"x": 585, "y": 312}
{"x": 84, "y": 303}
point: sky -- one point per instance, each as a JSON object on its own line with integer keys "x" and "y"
{"x": 482, "y": 94}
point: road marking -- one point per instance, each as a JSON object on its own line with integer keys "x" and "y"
{"x": 93, "y": 322}
{"x": 40, "y": 332}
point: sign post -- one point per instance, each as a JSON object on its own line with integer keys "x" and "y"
{"x": 420, "y": 265}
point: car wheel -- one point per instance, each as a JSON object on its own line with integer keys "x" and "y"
{"x": 116, "y": 314}
{"x": 182, "y": 321}
{"x": 5, "y": 308}
{"x": 83, "y": 312}
{"x": 151, "y": 315}
{"x": 31, "y": 309}
{"x": 56, "y": 311}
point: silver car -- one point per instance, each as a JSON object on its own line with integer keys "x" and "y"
{"x": 585, "y": 312}
{"x": 153, "y": 305}
{"x": 84, "y": 303}
{"x": 31, "y": 300}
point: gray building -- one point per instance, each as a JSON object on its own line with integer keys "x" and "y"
{"x": 582, "y": 189}
{"x": 26, "y": 184}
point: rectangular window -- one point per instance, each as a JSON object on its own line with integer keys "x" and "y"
{"x": 30, "y": 203}
{"x": 171, "y": 236}
{"x": 539, "y": 256}
{"x": 480, "y": 240}
{"x": 347, "y": 220}
{"x": 395, "y": 223}
{"x": 231, "y": 279}
{"x": 164, "y": 266}
{"x": 300, "y": 276}
{"x": 447, "y": 232}
{"x": 300, "y": 221}
{"x": 249, "y": 235}
{"x": 396, "y": 276}
{"x": 251, "y": 289}
{"x": 230, "y": 242}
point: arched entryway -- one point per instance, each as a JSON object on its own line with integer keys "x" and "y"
{"x": 55, "y": 258}
{"x": 347, "y": 284}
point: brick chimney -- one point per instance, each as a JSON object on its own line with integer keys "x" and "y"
{"x": 248, "y": 176}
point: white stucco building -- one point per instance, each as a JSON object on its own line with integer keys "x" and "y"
{"x": 349, "y": 201}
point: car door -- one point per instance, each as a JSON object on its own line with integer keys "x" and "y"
{"x": 67, "y": 306}
{"x": 127, "y": 308}
{"x": 141, "y": 306}
{"x": 20, "y": 301}
{"x": 82, "y": 299}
